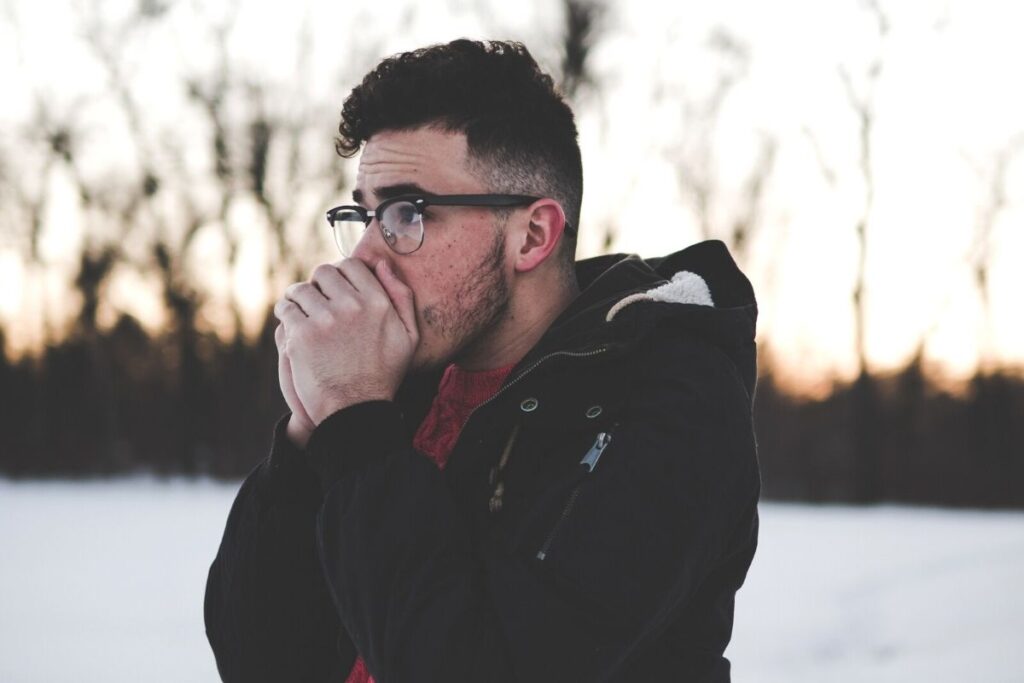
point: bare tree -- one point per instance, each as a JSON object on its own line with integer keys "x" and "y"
{"x": 257, "y": 139}
{"x": 584, "y": 29}
{"x": 860, "y": 88}
{"x": 719, "y": 215}
{"x": 267, "y": 145}
{"x": 995, "y": 202}
{"x": 861, "y": 98}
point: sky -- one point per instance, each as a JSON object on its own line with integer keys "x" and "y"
{"x": 945, "y": 107}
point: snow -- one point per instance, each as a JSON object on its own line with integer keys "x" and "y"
{"x": 103, "y": 581}
{"x": 882, "y": 594}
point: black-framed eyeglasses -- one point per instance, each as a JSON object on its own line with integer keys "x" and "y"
{"x": 401, "y": 218}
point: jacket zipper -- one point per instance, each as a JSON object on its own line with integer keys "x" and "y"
{"x": 589, "y": 461}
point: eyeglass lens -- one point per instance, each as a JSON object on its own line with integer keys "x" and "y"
{"x": 400, "y": 223}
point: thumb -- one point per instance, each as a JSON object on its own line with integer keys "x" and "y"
{"x": 401, "y": 297}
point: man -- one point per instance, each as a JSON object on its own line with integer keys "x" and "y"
{"x": 499, "y": 465}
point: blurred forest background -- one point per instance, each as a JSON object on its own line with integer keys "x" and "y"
{"x": 165, "y": 169}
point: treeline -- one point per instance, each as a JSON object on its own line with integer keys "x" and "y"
{"x": 899, "y": 437}
{"x": 121, "y": 401}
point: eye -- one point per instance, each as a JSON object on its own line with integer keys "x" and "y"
{"x": 406, "y": 212}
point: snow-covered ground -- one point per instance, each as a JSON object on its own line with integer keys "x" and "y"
{"x": 103, "y": 581}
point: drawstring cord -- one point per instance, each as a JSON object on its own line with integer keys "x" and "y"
{"x": 495, "y": 478}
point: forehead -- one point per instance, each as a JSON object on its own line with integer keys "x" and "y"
{"x": 433, "y": 159}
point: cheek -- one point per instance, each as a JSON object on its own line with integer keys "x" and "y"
{"x": 436, "y": 279}
{"x": 439, "y": 276}
{"x": 449, "y": 254}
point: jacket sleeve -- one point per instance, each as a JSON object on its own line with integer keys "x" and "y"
{"x": 267, "y": 610}
{"x": 423, "y": 604}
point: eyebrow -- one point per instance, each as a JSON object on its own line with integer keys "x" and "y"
{"x": 389, "y": 191}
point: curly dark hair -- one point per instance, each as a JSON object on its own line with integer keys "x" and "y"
{"x": 521, "y": 135}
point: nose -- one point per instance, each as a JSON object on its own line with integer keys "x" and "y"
{"x": 371, "y": 247}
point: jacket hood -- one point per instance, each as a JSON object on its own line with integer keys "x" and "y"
{"x": 623, "y": 297}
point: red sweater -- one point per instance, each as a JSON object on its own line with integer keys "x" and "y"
{"x": 459, "y": 392}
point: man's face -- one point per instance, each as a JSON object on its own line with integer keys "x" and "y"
{"x": 459, "y": 275}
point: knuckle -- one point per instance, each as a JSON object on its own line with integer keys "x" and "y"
{"x": 283, "y": 309}
{"x": 324, "y": 271}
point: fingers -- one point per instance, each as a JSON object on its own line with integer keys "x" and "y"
{"x": 300, "y": 300}
{"x": 354, "y": 274}
{"x": 287, "y": 383}
{"x": 332, "y": 284}
{"x": 351, "y": 281}
{"x": 287, "y": 311}
{"x": 361, "y": 278}
{"x": 347, "y": 278}
{"x": 401, "y": 297}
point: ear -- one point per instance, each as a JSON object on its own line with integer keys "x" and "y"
{"x": 540, "y": 236}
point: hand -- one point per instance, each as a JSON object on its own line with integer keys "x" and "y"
{"x": 350, "y": 334}
{"x": 300, "y": 426}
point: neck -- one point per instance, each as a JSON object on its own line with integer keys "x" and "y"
{"x": 529, "y": 316}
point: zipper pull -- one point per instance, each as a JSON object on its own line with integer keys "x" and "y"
{"x": 592, "y": 456}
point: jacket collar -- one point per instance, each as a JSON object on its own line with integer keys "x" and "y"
{"x": 624, "y": 297}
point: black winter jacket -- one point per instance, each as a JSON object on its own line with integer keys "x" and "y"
{"x": 609, "y": 547}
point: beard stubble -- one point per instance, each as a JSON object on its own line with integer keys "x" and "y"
{"x": 476, "y": 306}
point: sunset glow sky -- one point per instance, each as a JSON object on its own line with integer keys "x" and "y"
{"x": 947, "y": 103}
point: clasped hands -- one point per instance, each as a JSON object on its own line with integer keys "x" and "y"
{"x": 345, "y": 336}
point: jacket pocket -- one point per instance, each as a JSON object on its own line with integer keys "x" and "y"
{"x": 587, "y": 465}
